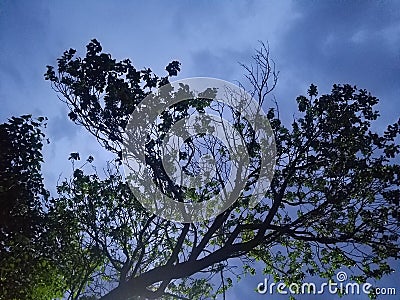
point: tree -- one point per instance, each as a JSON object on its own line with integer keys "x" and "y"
{"x": 27, "y": 268}
{"x": 333, "y": 201}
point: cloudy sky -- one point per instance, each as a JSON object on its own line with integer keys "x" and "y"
{"x": 320, "y": 42}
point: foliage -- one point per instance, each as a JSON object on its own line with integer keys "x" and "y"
{"x": 27, "y": 268}
{"x": 103, "y": 92}
{"x": 333, "y": 202}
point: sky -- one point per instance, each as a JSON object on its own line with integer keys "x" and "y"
{"x": 320, "y": 42}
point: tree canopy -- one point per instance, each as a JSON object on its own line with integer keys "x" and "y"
{"x": 333, "y": 201}
{"x": 28, "y": 269}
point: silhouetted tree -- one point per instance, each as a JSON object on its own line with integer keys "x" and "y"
{"x": 333, "y": 201}
{"x": 27, "y": 267}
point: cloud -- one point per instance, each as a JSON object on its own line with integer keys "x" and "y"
{"x": 61, "y": 127}
{"x": 345, "y": 43}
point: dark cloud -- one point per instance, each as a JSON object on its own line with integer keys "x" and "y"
{"x": 225, "y": 65}
{"x": 355, "y": 42}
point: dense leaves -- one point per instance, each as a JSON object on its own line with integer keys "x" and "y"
{"x": 102, "y": 92}
{"x": 27, "y": 266}
{"x": 333, "y": 202}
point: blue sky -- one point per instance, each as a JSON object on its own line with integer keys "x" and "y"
{"x": 320, "y": 42}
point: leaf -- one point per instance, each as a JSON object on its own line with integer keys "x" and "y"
{"x": 173, "y": 68}
{"x": 74, "y": 156}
